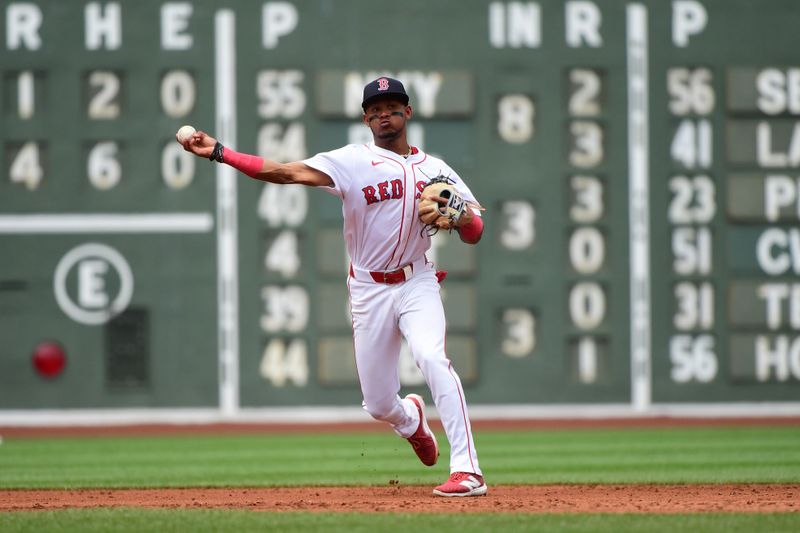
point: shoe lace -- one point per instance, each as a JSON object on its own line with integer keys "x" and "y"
{"x": 457, "y": 477}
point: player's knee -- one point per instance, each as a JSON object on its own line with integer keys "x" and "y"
{"x": 431, "y": 361}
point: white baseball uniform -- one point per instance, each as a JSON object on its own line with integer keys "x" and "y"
{"x": 380, "y": 190}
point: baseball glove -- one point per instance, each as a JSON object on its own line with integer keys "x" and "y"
{"x": 444, "y": 213}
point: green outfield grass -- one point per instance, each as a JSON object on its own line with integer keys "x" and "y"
{"x": 673, "y": 455}
{"x": 136, "y": 520}
{"x": 668, "y": 455}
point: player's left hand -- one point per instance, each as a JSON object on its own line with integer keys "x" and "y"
{"x": 440, "y": 204}
{"x": 429, "y": 207}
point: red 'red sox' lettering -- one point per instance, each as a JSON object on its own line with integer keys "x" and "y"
{"x": 397, "y": 189}
{"x": 387, "y": 190}
{"x": 420, "y": 187}
{"x": 383, "y": 187}
{"x": 369, "y": 194}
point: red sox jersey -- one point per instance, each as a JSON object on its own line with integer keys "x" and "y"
{"x": 380, "y": 191}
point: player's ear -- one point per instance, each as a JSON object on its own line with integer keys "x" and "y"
{"x": 409, "y": 112}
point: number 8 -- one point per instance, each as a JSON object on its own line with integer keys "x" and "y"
{"x": 515, "y": 118}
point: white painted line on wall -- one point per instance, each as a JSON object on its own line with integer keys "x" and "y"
{"x": 227, "y": 226}
{"x": 65, "y": 223}
{"x": 639, "y": 207}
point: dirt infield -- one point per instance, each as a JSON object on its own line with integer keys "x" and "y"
{"x": 750, "y": 498}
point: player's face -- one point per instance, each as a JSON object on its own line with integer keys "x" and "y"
{"x": 387, "y": 118}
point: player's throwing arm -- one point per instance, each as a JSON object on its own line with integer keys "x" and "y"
{"x": 204, "y": 145}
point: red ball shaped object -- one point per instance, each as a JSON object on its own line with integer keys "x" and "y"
{"x": 49, "y": 359}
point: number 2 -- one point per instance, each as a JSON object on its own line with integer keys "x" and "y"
{"x": 583, "y": 101}
{"x": 103, "y": 104}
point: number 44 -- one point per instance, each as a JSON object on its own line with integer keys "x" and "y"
{"x": 285, "y": 362}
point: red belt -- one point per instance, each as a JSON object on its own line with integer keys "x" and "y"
{"x": 390, "y": 277}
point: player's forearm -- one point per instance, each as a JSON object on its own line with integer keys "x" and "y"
{"x": 275, "y": 172}
{"x": 262, "y": 169}
{"x": 252, "y": 165}
{"x": 248, "y": 164}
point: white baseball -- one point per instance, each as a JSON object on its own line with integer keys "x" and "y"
{"x": 185, "y": 133}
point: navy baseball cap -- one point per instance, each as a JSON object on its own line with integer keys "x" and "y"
{"x": 384, "y": 87}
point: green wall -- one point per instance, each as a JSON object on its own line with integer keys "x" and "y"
{"x": 530, "y": 102}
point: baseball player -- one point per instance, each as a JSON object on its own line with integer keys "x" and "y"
{"x": 393, "y": 288}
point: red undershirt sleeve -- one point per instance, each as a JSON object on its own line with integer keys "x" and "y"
{"x": 471, "y": 233}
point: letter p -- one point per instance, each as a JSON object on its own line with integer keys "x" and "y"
{"x": 278, "y": 19}
{"x": 688, "y": 18}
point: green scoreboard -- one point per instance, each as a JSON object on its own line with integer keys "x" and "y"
{"x": 638, "y": 161}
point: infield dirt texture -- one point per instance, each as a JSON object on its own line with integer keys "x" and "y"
{"x": 501, "y": 499}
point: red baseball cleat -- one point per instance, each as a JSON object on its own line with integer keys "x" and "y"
{"x": 423, "y": 440}
{"x": 462, "y": 484}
